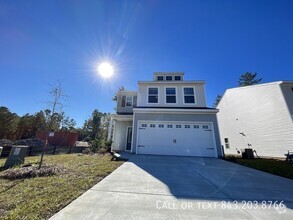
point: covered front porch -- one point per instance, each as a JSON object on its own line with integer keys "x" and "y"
{"x": 120, "y": 130}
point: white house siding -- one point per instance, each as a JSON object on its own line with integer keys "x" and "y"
{"x": 287, "y": 89}
{"x": 119, "y": 135}
{"x": 164, "y": 116}
{"x": 142, "y": 99}
{"x": 261, "y": 113}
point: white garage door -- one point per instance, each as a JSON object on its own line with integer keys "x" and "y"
{"x": 176, "y": 138}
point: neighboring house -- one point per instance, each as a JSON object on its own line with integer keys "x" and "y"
{"x": 258, "y": 117}
{"x": 167, "y": 116}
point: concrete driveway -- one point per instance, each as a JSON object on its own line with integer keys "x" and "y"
{"x": 166, "y": 187}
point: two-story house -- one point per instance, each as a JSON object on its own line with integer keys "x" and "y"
{"x": 166, "y": 116}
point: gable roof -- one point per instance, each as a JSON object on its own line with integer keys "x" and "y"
{"x": 256, "y": 85}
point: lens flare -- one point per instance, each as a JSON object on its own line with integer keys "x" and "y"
{"x": 106, "y": 70}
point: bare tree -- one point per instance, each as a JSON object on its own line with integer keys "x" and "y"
{"x": 57, "y": 97}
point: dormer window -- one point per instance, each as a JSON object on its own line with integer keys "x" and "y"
{"x": 160, "y": 78}
{"x": 169, "y": 78}
{"x": 177, "y": 78}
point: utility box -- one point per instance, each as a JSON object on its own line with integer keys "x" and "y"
{"x": 16, "y": 156}
{"x": 247, "y": 153}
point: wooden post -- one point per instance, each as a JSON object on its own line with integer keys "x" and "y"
{"x": 43, "y": 152}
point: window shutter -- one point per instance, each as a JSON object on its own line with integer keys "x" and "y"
{"x": 134, "y": 101}
{"x": 123, "y": 101}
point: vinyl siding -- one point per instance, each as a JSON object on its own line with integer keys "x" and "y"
{"x": 125, "y": 109}
{"x": 287, "y": 90}
{"x": 261, "y": 113}
{"x": 177, "y": 117}
{"x": 119, "y": 135}
{"x": 198, "y": 87}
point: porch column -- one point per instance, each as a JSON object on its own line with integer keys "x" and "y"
{"x": 110, "y": 129}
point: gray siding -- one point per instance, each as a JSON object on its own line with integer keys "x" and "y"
{"x": 199, "y": 94}
{"x": 119, "y": 135}
{"x": 287, "y": 90}
{"x": 177, "y": 117}
{"x": 261, "y": 113}
{"x": 126, "y": 109}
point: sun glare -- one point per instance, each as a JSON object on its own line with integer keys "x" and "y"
{"x": 105, "y": 70}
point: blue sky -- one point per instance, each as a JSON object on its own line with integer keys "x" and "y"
{"x": 45, "y": 41}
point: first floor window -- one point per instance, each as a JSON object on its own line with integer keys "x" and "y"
{"x": 226, "y": 140}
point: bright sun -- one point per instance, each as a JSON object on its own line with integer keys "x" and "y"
{"x": 106, "y": 70}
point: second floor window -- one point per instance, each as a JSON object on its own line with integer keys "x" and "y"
{"x": 129, "y": 101}
{"x": 153, "y": 95}
{"x": 170, "y": 95}
{"x": 189, "y": 95}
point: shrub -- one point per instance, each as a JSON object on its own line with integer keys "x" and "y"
{"x": 30, "y": 172}
{"x": 87, "y": 151}
{"x": 102, "y": 150}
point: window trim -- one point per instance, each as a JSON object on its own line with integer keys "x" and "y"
{"x": 155, "y": 87}
{"x": 177, "y": 79}
{"x": 227, "y": 144}
{"x": 172, "y": 78}
{"x": 157, "y": 79}
{"x": 176, "y": 95}
{"x": 205, "y": 127}
{"x": 183, "y": 95}
{"x": 131, "y": 101}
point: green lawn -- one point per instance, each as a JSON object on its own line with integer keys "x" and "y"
{"x": 41, "y": 197}
{"x": 277, "y": 167}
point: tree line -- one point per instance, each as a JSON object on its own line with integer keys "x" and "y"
{"x": 15, "y": 127}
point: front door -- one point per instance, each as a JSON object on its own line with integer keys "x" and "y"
{"x": 129, "y": 138}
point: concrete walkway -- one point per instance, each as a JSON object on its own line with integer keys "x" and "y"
{"x": 165, "y": 187}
